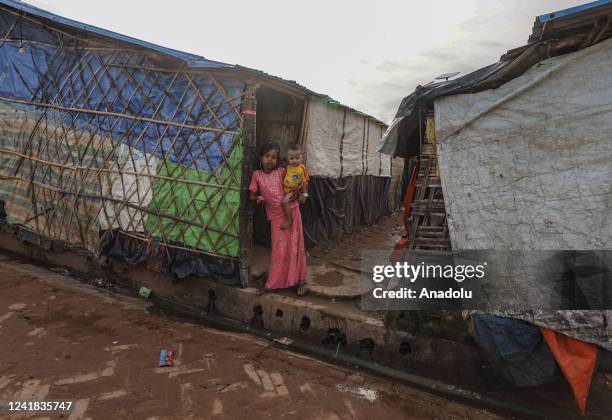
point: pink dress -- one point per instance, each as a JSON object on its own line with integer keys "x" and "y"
{"x": 288, "y": 260}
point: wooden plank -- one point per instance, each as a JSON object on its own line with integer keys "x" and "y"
{"x": 304, "y": 126}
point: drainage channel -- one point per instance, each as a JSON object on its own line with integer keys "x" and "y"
{"x": 336, "y": 357}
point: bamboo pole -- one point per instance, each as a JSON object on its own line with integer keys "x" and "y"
{"x": 304, "y": 129}
{"x": 46, "y": 44}
{"x": 8, "y": 33}
{"x": 168, "y": 245}
{"x": 99, "y": 197}
{"x": 57, "y": 31}
{"x": 249, "y": 109}
{"x": 115, "y": 114}
{"x": 223, "y": 93}
{"x": 111, "y": 171}
{"x": 194, "y": 250}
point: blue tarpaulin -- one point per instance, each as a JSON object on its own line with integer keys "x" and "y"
{"x": 571, "y": 10}
{"x": 100, "y": 132}
{"x": 514, "y": 352}
{"x": 152, "y": 108}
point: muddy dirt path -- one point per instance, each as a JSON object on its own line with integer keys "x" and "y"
{"x": 335, "y": 267}
{"x": 63, "y": 340}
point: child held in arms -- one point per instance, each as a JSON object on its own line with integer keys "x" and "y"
{"x": 295, "y": 183}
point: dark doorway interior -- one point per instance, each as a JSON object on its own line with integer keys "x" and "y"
{"x": 279, "y": 120}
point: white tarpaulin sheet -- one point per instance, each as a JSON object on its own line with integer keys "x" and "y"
{"x": 529, "y": 166}
{"x": 127, "y": 188}
{"x": 341, "y": 142}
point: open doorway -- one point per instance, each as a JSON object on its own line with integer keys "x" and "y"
{"x": 280, "y": 119}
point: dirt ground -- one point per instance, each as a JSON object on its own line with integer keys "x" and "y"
{"x": 335, "y": 268}
{"x": 63, "y": 340}
{"x": 380, "y": 235}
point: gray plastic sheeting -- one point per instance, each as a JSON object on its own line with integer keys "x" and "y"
{"x": 528, "y": 166}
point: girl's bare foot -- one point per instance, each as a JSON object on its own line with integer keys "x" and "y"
{"x": 286, "y": 224}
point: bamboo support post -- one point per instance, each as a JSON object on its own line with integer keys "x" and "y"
{"x": 249, "y": 109}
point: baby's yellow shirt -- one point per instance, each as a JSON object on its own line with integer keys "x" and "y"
{"x": 294, "y": 177}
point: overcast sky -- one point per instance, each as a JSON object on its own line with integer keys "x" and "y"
{"x": 366, "y": 54}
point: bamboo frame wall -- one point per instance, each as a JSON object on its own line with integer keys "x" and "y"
{"x": 62, "y": 163}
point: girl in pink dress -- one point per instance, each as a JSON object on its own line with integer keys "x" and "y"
{"x": 288, "y": 259}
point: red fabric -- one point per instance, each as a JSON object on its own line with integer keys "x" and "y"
{"x": 577, "y": 362}
{"x": 401, "y": 244}
{"x": 409, "y": 197}
{"x": 288, "y": 259}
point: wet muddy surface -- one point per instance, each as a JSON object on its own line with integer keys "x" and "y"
{"x": 63, "y": 340}
{"x": 330, "y": 279}
{"x": 346, "y": 250}
{"x": 335, "y": 267}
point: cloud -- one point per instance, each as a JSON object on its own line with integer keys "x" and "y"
{"x": 45, "y": 6}
{"x": 476, "y": 42}
{"x": 397, "y": 66}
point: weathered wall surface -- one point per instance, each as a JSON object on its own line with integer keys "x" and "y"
{"x": 529, "y": 165}
{"x": 343, "y": 143}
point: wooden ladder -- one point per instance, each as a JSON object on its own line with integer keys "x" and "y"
{"x": 428, "y": 229}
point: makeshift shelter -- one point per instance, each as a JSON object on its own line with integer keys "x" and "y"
{"x": 350, "y": 178}
{"x": 129, "y": 149}
{"x": 517, "y": 155}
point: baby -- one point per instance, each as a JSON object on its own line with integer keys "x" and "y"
{"x": 296, "y": 181}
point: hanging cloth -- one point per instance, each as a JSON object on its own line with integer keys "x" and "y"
{"x": 577, "y": 362}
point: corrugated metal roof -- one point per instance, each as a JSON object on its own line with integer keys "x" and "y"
{"x": 191, "y": 60}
